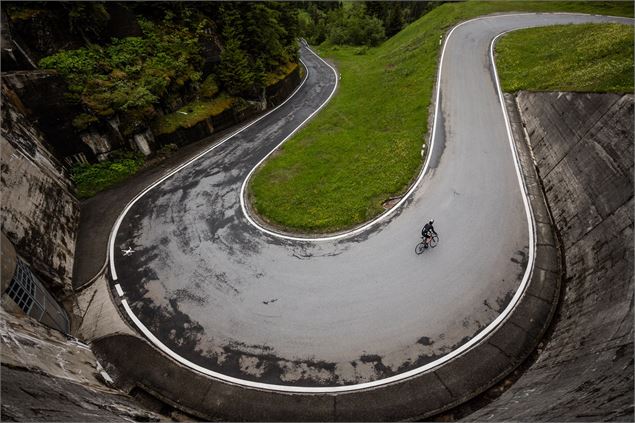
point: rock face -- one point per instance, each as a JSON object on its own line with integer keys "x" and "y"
{"x": 39, "y": 212}
{"x": 29, "y": 34}
{"x": 43, "y": 95}
{"x": 47, "y": 377}
{"x": 583, "y": 149}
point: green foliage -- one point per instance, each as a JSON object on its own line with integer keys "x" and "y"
{"x": 91, "y": 178}
{"x": 351, "y": 26}
{"x": 357, "y": 23}
{"x": 74, "y": 65}
{"x": 234, "y": 70}
{"x": 167, "y": 150}
{"x": 130, "y": 74}
{"x": 83, "y": 121}
{"x": 364, "y": 146}
{"x": 259, "y": 37}
{"x": 313, "y": 20}
{"x": 209, "y": 87}
{"x": 567, "y": 58}
{"x": 280, "y": 73}
{"x": 132, "y": 77}
{"x": 86, "y": 17}
{"x": 397, "y": 14}
{"x": 191, "y": 114}
{"x": 19, "y": 12}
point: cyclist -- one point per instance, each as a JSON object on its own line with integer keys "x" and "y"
{"x": 427, "y": 232}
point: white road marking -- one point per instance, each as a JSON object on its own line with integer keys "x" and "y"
{"x": 111, "y": 239}
{"x": 119, "y": 290}
{"x": 402, "y": 376}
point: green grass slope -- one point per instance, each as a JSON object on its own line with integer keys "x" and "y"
{"x": 591, "y": 58}
{"x": 364, "y": 147}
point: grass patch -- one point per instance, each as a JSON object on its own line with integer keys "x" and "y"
{"x": 91, "y": 178}
{"x": 589, "y": 58}
{"x": 191, "y": 114}
{"x": 364, "y": 147}
{"x": 280, "y": 73}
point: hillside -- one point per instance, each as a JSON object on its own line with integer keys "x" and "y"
{"x": 130, "y": 78}
{"x": 364, "y": 148}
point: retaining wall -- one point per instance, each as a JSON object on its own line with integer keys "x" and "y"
{"x": 274, "y": 95}
{"x": 583, "y": 150}
{"x": 39, "y": 212}
{"x": 49, "y": 377}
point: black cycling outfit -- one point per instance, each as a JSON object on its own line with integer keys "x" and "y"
{"x": 425, "y": 232}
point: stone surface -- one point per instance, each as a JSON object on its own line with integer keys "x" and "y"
{"x": 583, "y": 146}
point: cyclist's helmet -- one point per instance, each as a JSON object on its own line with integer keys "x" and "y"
{"x": 431, "y": 221}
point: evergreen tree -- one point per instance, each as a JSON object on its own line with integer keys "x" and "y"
{"x": 234, "y": 70}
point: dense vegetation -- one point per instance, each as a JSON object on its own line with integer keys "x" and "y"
{"x": 586, "y": 58}
{"x": 134, "y": 76}
{"x": 364, "y": 147}
{"x": 89, "y": 179}
{"x": 358, "y": 23}
{"x": 178, "y": 64}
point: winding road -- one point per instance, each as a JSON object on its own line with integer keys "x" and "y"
{"x": 357, "y": 310}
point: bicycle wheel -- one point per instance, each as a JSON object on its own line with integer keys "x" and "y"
{"x": 434, "y": 241}
{"x": 420, "y": 247}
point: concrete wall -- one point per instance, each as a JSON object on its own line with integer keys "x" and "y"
{"x": 39, "y": 213}
{"x": 47, "y": 377}
{"x": 583, "y": 149}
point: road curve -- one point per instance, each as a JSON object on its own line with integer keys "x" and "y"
{"x": 234, "y": 302}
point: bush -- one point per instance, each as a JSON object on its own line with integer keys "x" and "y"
{"x": 352, "y": 26}
{"x": 83, "y": 121}
{"x": 209, "y": 87}
{"x": 131, "y": 74}
{"x": 91, "y": 178}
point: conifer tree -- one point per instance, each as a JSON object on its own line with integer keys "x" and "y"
{"x": 234, "y": 70}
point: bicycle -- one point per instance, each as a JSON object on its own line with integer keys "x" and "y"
{"x": 434, "y": 240}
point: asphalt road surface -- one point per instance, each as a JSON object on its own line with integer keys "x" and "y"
{"x": 225, "y": 296}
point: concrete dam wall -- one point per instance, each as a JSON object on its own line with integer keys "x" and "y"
{"x": 583, "y": 149}
{"x": 39, "y": 212}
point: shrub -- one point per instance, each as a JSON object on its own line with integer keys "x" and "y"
{"x": 130, "y": 74}
{"x": 209, "y": 87}
{"x": 91, "y": 178}
{"x": 352, "y": 26}
{"x": 83, "y": 121}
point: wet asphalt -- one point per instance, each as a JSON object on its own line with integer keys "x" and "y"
{"x": 226, "y": 296}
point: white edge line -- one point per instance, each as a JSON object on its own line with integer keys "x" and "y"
{"x": 401, "y": 376}
{"x": 115, "y": 228}
{"x": 472, "y": 342}
{"x": 119, "y": 290}
{"x": 297, "y": 128}
{"x": 387, "y": 213}
{"x": 405, "y": 197}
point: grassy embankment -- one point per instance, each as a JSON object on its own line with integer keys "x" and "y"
{"x": 364, "y": 147}
{"x": 588, "y": 58}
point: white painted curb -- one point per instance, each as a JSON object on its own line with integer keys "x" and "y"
{"x": 115, "y": 228}
{"x": 412, "y": 373}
